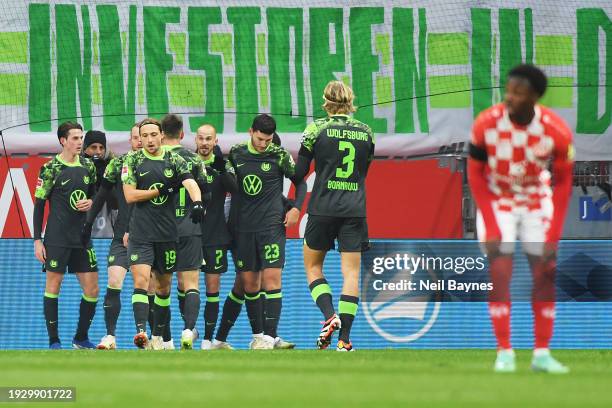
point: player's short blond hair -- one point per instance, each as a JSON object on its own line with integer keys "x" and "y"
{"x": 338, "y": 98}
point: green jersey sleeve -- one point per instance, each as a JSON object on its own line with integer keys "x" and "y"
{"x": 309, "y": 137}
{"x": 127, "y": 171}
{"x": 44, "y": 184}
{"x": 112, "y": 173}
{"x": 286, "y": 163}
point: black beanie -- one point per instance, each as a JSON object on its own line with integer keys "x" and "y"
{"x": 94, "y": 136}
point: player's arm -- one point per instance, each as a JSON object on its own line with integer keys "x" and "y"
{"x": 226, "y": 174}
{"x": 477, "y": 180}
{"x": 306, "y": 152}
{"x": 185, "y": 176}
{"x": 44, "y": 186}
{"x": 562, "y": 167}
{"x": 131, "y": 193}
{"x": 104, "y": 192}
{"x": 288, "y": 167}
{"x": 370, "y": 156}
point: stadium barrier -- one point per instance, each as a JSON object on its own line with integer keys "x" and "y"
{"x": 425, "y": 324}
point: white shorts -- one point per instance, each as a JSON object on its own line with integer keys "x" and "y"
{"x": 530, "y": 226}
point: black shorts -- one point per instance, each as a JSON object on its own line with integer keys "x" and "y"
{"x": 161, "y": 256}
{"x": 118, "y": 254}
{"x": 215, "y": 259}
{"x": 261, "y": 250}
{"x": 189, "y": 254}
{"x": 75, "y": 259}
{"x": 351, "y": 233}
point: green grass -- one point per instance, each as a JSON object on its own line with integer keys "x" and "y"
{"x": 365, "y": 378}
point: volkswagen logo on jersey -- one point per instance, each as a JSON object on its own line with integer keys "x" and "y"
{"x": 159, "y": 200}
{"x": 75, "y": 197}
{"x": 399, "y": 316}
{"x": 252, "y": 184}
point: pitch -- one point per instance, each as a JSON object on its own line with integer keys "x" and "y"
{"x": 365, "y": 378}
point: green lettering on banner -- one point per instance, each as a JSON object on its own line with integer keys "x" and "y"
{"x": 364, "y": 63}
{"x": 280, "y": 22}
{"x": 528, "y": 36}
{"x": 200, "y": 18}
{"x": 119, "y": 107}
{"x": 71, "y": 69}
{"x": 157, "y": 60}
{"x": 510, "y": 44}
{"x": 590, "y": 22}
{"x": 482, "y": 58}
{"x": 39, "y": 98}
{"x": 410, "y": 79}
{"x": 244, "y": 19}
{"x": 323, "y": 63}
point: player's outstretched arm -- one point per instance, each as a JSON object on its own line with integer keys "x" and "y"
{"x": 39, "y": 215}
{"x": 302, "y": 166}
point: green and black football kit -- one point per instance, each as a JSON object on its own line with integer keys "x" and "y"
{"x": 216, "y": 237}
{"x": 260, "y": 221}
{"x": 342, "y": 148}
{"x": 152, "y": 226}
{"x": 63, "y": 184}
{"x": 189, "y": 248}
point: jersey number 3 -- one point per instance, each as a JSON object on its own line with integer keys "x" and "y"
{"x": 348, "y": 160}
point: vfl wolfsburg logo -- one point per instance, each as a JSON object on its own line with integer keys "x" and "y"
{"x": 266, "y": 166}
{"x": 53, "y": 263}
{"x": 75, "y": 197}
{"x": 159, "y": 200}
{"x": 134, "y": 257}
{"x": 86, "y": 179}
{"x": 169, "y": 173}
{"x": 399, "y": 316}
{"x": 252, "y": 184}
{"x": 209, "y": 179}
{"x": 111, "y": 259}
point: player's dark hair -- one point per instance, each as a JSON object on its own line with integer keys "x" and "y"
{"x": 276, "y": 139}
{"x": 264, "y": 123}
{"x": 534, "y": 75}
{"x": 172, "y": 126}
{"x": 149, "y": 121}
{"x": 64, "y": 128}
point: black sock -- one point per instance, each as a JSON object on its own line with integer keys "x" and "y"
{"x": 51, "y": 312}
{"x": 254, "y": 311}
{"x": 211, "y": 313}
{"x": 322, "y": 295}
{"x": 180, "y": 295}
{"x": 231, "y": 311}
{"x": 112, "y": 308}
{"x": 191, "y": 308}
{"x": 347, "y": 309}
{"x": 140, "y": 305}
{"x": 160, "y": 314}
{"x": 87, "y": 310}
{"x": 273, "y": 306}
{"x": 151, "y": 309}
{"x": 167, "y": 335}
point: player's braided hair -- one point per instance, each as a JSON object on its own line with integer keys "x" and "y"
{"x": 534, "y": 75}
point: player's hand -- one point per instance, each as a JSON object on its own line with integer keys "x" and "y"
{"x": 84, "y": 205}
{"x": 168, "y": 189}
{"x": 197, "y": 212}
{"x": 292, "y": 217}
{"x": 86, "y": 233}
{"x": 126, "y": 239}
{"x": 219, "y": 164}
{"x": 39, "y": 251}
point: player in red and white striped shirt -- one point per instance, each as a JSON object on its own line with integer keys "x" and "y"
{"x": 513, "y": 146}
